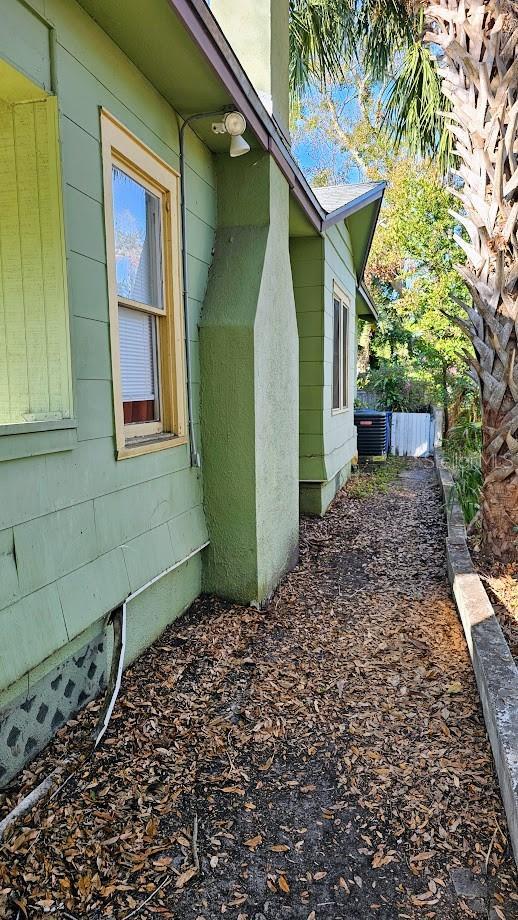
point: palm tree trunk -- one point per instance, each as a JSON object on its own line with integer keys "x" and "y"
{"x": 479, "y": 74}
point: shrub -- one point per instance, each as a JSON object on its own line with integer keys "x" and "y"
{"x": 462, "y": 448}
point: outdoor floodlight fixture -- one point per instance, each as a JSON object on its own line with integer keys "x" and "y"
{"x": 234, "y": 124}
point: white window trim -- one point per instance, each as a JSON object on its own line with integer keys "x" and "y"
{"x": 343, "y": 379}
{"x": 121, "y": 148}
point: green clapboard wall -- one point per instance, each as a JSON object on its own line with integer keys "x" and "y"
{"x": 80, "y": 530}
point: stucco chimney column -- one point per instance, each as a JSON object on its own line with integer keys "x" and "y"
{"x": 258, "y": 31}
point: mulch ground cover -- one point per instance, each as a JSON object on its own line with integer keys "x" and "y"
{"x": 323, "y": 758}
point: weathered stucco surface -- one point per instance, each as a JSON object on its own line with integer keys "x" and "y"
{"x": 249, "y": 344}
{"x": 259, "y": 34}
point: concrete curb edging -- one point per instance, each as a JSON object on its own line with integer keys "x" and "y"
{"x": 495, "y": 670}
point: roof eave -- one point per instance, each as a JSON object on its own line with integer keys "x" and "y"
{"x": 372, "y": 230}
{"x": 362, "y": 201}
{"x": 204, "y": 29}
{"x": 365, "y": 297}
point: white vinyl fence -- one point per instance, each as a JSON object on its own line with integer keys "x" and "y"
{"x": 413, "y": 434}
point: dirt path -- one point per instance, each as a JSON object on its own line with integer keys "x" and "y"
{"x": 330, "y": 749}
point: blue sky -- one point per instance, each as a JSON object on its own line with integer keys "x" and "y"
{"x": 314, "y": 149}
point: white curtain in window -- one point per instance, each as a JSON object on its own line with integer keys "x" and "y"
{"x": 137, "y": 355}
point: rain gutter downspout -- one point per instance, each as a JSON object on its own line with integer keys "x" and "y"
{"x": 194, "y": 452}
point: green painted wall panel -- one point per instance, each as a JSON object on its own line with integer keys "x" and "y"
{"x": 315, "y": 498}
{"x": 327, "y": 440}
{"x": 81, "y": 159}
{"x": 195, "y": 307}
{"x": 24, "y": 41}
{"x": 92, "y": 470}
{"x": 311, "y": 398}
{"x": 90, "y": 46}
{"x": 161, "y": 604}
{"x": 198, "y": 274}
{"x": 200, "y": 236}
{"x": 18, "y": 502}
{"x": 312, "y": 372}
{"x": 309, "y": 272}
{"x": 90, "y": 592}
{"x": 310, "y": 298}
{"x": 311, "y": 324}
{"x": 50, "y": 546}
{"x": 148, "y": 509}
{"x": 312, "y": 467}
{"x": 129, "y": 512}
{"x": 311, "y": 444}
{"x": 19, "y": 446}
{"x": 302, "y": 250}
{"x": 94, "y": 409}
{"x": 311, "y": 421}
{"x": 311, "y": 348}
{"x": 91, "y": 340}
{"x": 87, "y": 234}
{"x": 188, "y": 531}
{"x": 81, "y": 94}
{"x": 148, "y": 555}
{"x": 31, "y": 630}
{"x": 9, "y": 586}
{"x": 200, "y": 193}
{"x": 88, "y": 289}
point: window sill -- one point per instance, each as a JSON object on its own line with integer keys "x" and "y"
{"x": 32, "y": 439}
{"x": 138, "y": 446}
{"x": 340, "y": 411}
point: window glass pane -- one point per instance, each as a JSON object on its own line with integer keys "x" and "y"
{"x": 345, "y": 315}
{"x": 138, "y": 359}
{"x": 136, "y": 216}
{"x": 336, "y": 354}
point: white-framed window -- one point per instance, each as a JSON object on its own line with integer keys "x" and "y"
{"x": 141, "y": 197}
{"x": 340, "y": 350}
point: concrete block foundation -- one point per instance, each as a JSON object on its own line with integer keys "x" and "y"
{"x": 30, "y": 720}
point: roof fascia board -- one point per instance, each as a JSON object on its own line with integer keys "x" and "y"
{"x": 372, "y": 230}
{"x": 364, "y": 295}
{"x": 347, "y": 210}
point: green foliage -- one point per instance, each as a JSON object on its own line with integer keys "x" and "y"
{"x": 462, "y": 448}
{"x": 374, "y": 477}
{"x": 413, "y": 100}
{"x": 384, "y": 37}
{"x": 397, "y": 389}
{"x": 319, "y": 42}
{"x": 411, "y": 270}
{"x": 413, "y": 279}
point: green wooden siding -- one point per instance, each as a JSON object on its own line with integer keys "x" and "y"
{"x": 78, "y": 529}
{"x": 327, "y": 440}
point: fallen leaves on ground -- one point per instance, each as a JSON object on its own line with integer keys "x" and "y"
{"x": 329, "y": 750}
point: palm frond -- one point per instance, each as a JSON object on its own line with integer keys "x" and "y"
{"x": 383, "y": 29}
{"x": 320, "y": 33}
{"x": 412, "y": 103}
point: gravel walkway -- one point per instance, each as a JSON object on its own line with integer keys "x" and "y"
{"x": 328, "y": 753}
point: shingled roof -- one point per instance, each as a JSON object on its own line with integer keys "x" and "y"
{"x": 335, "y": 197}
